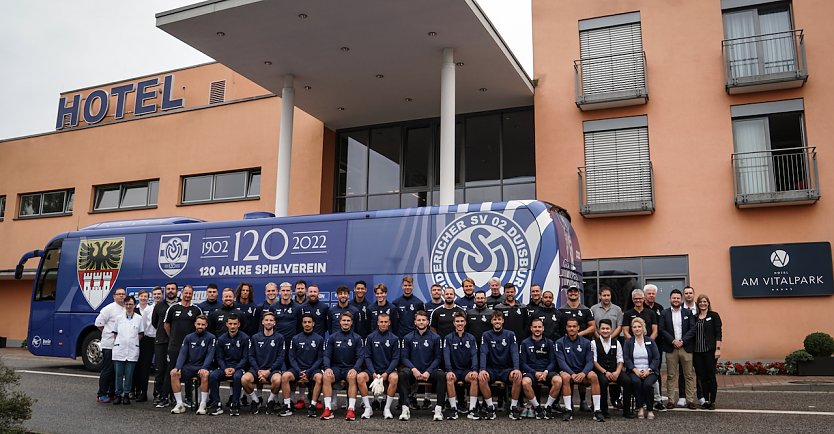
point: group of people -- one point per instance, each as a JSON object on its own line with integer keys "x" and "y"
{"x": 475, "y": 344}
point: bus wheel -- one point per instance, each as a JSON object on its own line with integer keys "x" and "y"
{"x": 91, "y": 351}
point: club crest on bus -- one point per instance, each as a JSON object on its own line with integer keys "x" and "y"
{"x": 99, "y": 262}
{"x": 173, "y": 253}
{"x": 481, "y": 246}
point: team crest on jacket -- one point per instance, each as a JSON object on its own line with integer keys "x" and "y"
{"x": 173, "y": 253}
{"x": 99, "y": 262}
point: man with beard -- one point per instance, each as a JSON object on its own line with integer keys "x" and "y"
{"x": 362, "y": 324}
{"x": 538, "y": 364}
{"x": 468, "y": 300}
{"x": 576, "y": 363}
{"x": 217, "y": 319}
{"x": 408, "y": 305}
{"x": 300, "y": 292}
{"x": 231, "y": 356}
{"x": 382, "y": 356}
{"x": 194, "y": 360}
{"x": 499, "y": 361}
{"x": 547, "y": 312}
{"x": 343, "y": 358}
{"x": 460, "y": 356}
{"x": 271, "y": 293}
{"x": 420, "y": 357}
{"x": 515, "y": 313}
{"x": 305, "y": 356}
{"x": 162, "y": 381}
{"x": 317, "y": 309}
{"x": 212, "y": 303}
{"x": 179, "y": 322}
{"x": 478, "y": 317}
{"x": 266, "y": 356}
{"x": 442, "y": 320}
{"x": 334, "y": 314}
{"x": 436, "y": 299}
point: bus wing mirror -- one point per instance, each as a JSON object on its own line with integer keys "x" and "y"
{"x": 18, "y": 272}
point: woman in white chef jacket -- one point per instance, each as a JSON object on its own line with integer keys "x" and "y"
{"x": 129, "y": 330}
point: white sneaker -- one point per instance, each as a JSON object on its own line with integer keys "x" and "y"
{"x": 438, "y": 415}
{"x": 178, "y": 409}
{"x": 202, "y": 408}
{"x": 367, "y": 413}
{"x": 681, "y": 402}
{"x": 701, "y": 401}
{"x": 387, "y": 414}
{"x": 406, "y": 414}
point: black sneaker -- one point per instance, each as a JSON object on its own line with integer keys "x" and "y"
{"x": 598, "y": 416}
{"x": 628, "y": 414}
{"x": 462, "y": 408}
{"x": 270, "y": 407}
{"x": 126, "y": 400}
{"x": 452, "y": 414}
{"x": 311, "y": 411}
{"x": 244, "y": 400}
{"x": 234, "y": 409}
{"x": 558, "y": 409}
{"x": 583, "y": 406}
{"x": 216, "y": 410}
{"x": 489, "y": 413}
{"x": 540, "y": 413}
{"x": 515, "y": 413}
{"x": 658, "y": 406}
{"x": 618, "y": 403}
{"x": 426, "y": 403}
{"x": 254, "y": 407}
{"x": 412, "y": 401}
{"x": 568, "y": 415}
{"x": 286, "y": 411}
{"x": 117, "y": 400}
{"x": 162, "y": 403}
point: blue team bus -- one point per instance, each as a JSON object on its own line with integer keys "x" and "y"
{"x": 518, "y": 241}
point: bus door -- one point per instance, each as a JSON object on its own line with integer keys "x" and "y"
{"x": 41, "y": 316}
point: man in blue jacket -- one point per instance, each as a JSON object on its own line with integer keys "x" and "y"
{"x": 266, "y": 357}
{"x": 231, "y": 355}
{"x": 460, "y": 354}
{"x": 677, "y": 326}
{"x": 362, "y": 324}
{"x": 380, "y": 306}
{"x": 576, "y": 362}
{"x": 343, "y": 357}
{"x": 408, "y": 305}
{"x": 317, "y": 308}
{"x": 194, "y": 361}
{"x": 420, "y": 356}
{"x": 334, "y": 315}
{"x": 305, "y": 357}
{"x": 499, "y": 361}
{"x": 382, "y": 357}
{"x": 538, "y": 365}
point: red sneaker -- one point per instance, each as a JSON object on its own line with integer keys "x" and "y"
{"x": 319, "y": 406}
{"x": 327, "y": 414}
{"x": 300, "y": 404}
{"x": 350, "y": 415}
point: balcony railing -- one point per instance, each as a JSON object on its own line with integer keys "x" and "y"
{"x": 611, "y": 81}
{"x": 766, "y": 62}
{"x": 616, "y": 189}
{"x": 776, "y": 177}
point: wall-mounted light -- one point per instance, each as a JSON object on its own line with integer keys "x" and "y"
{"x": 221, "y": 33}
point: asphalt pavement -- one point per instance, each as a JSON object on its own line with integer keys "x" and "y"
{"x": 65, "y": 395}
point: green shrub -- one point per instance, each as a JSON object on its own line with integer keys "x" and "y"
{"x": 819, "y": 344}
{"x": 794, "y": 357}
{"x": 15, "y": 406}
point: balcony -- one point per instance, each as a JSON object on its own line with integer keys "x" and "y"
{"x": 610, "y": 81}
{"x": 776, "y": 177}
{"x": 616, "y": 190}
{"x": 766, "y": 62}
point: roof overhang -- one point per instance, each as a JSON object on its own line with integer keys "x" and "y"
{"x": 264, "y": 40}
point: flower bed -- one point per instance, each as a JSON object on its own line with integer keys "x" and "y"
{"x": 751, "y": 368}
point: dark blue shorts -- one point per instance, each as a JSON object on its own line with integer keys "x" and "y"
{"x": 499, "y": 375}
{"x": 268, "y": 378}
{"x": 340, "y": 373}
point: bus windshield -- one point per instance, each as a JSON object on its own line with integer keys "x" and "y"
{"x": 47, "y": 280}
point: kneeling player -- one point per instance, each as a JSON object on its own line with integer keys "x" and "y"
{"x": 194, "y": 361}
{"x": 576, "y": 361}
{"x": 460, "y": 352}
{"x": 499, "y": 362}
{"x": 538, "y": 363}
{"x": 342, "y": 361}
{"x": 382, "y": 356}
{"x": 266, "y": 355}
{"x": 305, "y": 354}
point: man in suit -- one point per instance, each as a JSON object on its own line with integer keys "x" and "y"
{"x": 678, "y": 329}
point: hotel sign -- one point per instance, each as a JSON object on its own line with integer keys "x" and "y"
{"x": 782, "y": 270}
{"x": 97, "y": 103}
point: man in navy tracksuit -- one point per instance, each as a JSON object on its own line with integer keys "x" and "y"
{"x": 499, "y": 361}
{"x": 266, "y": 357}
{"x": 538, "y": 364}
{"x": 436, "y": 300}
{"x": 460, "y": 354}
{"x": 576, "y": 362}
{"x": 467, "y": 301}
{"x": 317, "y": 309}
{"x": 362, "y": 325}
{"x": 420, "y": 357}
{"x": 343, "y": 357}
{"x": 305, "y": 356}
{"x": 334, "y": 314}
{"x": 195, "y": 359}
{"x": 381, "y": 305}
{"x": 382, "y": 357}
{"x": 231, "y": 355}
{"x": 408, "y": 305}
{"x": 287, "y": 314}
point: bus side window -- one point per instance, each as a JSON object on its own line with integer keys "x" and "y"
{"x": 48, "y": 278}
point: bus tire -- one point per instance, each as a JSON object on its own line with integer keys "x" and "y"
{"x": 91, "y": 353}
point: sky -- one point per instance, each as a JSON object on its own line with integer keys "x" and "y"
{"x": 52, "y": 46}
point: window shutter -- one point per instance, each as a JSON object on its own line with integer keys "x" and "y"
{"x": 612, "y": 59}
{"x": 617, "y": 165}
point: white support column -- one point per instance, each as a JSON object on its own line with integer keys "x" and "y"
{"x": 447, "y": 128}
{"x": 282, "y": 180}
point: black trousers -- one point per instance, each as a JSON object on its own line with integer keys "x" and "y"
{"x": 622, "y": 381}
{"x": 143, "y": 366}
{"x": 107, "y": 378}
{"x": 162, "y": 376}
{"x": 705, "y": 374}
{"x": 436, "y": 378}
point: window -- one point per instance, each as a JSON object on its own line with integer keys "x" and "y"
{"x": 2, "y": 207}
{"x": 612, "y": 64}
{"x": 398, "y": 166}
{"x": 617, "y": 172}
{"x": 47, "y": 283}
{"x": 45, "y": 204}
{"x": 771, "y": 159}
{"x": 126, "y": 196}
{"x": 218, "y": 187}
{"x": 624, "y": 275}
{"x": 759, "y": 40}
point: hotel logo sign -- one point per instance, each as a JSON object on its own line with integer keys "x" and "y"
{"x": 782, "y": 270}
